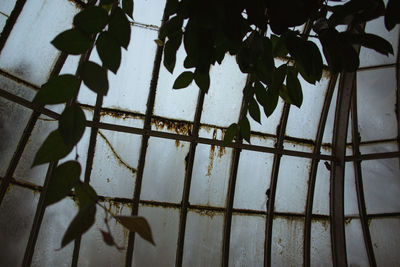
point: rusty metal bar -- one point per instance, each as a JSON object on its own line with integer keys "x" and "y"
{"x": 145, "y": 141}
{"x": 359, "y": 181}
{"x": 188, "y": 180}
{"x": 398, "y": 93}
{"x": 313, "y": 171}
{"x": 11, "y": 20}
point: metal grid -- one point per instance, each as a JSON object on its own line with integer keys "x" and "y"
{"x": 346, "y": 103}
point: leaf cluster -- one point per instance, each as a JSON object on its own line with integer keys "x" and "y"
{"x": 210, "y": 29}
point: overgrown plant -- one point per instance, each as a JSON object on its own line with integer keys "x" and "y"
{"x": 208, "y": 29}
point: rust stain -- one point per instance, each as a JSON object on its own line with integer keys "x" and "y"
{"x": 211, "y": 155}
{"x": 179, "y": 127}
{"x": 120, "y": 114}
{"x": 208, "y": 213}
{"x": 117, "y": 156}
{"x": 177, "y": 143}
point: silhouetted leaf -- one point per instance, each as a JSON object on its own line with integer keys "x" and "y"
{"x": 92, "y": 19}
{"x": 230, "y": 133}
{"x": 109, "y": 51}
{"x": 392, "y": 14}
{"x": 86, "y": 195}
{"x": 58, "y": 90}
{"x": 53, "y": 148}
{"x": 171, "y": 26}
{"x": 72, "y": 42}
{"x": 80, "y": 224}
{"x": 283, "y": 93}
{"x": 72, "y": 124}
{"x": 294, "y": 89}
{"x": 261, "y": 93}
{"x": 127, "y": 7}
{"x": 183, "y": 80}
{"x": 279, "y": 77}
{"x": 202, "y": 80}
{"x": 377, "y": 43}
{"x": 244, "y": 126}
{"x": 278, "y": 46}
{"x": 95, "y": 77}
{"x": 171, "y": 7}
{"x": 272, "y": 97}
{"x": 63, "y": 179}
{"x": 137, "y": 224}
{"x": 169, "y": 56}
{"x": 254, "y": 110}
{"x": 120, "y": 27}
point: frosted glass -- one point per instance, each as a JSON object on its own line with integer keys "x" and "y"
{"x": 55, "y": 221}
{"x": 203, "y": 239}
{"x": 303, "y": 122}
{"x": 129, "y": 88}
{"x": 379, "y": 147}
{"x": 291, "y": 190}
{"x": 385, "y": 235}
{"x": 321, "y": 252}
{"x": 369, "y": 57}
{"x": 381, "y": 185}
{"x": 268, "y": 125}
{"x": 355, "y": 246}
{"x": 210, "y": 175}
{"x": 287, "y": 241}
{"x": 300, "y": 146}
{"x": 17, "y": 211}
{"x": 172, "y": 103}
{"x": 322, "y": 189}
{"x": 146, "y": 11}
{"x": 6, "y": 6}
{"x": 3, "y": 20}
{"x": 13, "y": 119}
{"x": 164, "y": 172}
{"x": 164, "y": 224}
{"x": 225, "y": 95}
{"x": 376, "y": 102}
{"x": 93, "y": 251}
{"x": 27, "y": 56}
{"x": 330, "y": 120}
{"x": 251, "y": 186}
{"x": 247, "y": 241}
{"x": 115, "y": 163}
{"x": 350, "y": 193}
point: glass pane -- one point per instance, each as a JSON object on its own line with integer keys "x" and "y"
{"x": 247, "y": 241}
{"x": 355, "y": 246}
{"x": 321, "y": 252}
{"x": 147, "y": 12}
{"x": 6, "y": 6}
{"x": 203, "y": 239}
{"x": 47, "y": 19}
{"x": 350, "y": 193}
{"x": 17, "y": 212}
{"x": 287, "y": 241}
{"x": 322, "y": 189}
{"x": 164, "y": 172}
{"x": 164, "y": 224}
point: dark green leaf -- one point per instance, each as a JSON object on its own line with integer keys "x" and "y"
{"x": 72, "y": 124}
{"x": 169, "y": 56}
{"x": 137, "y": 224}
{"x": 244, "y": 126}
{"x": 183, "y": 80}
{"x": 95, "y": 77}
{"x": 127, "y": 7}
{"x": 283, "y": 93}
{"x": 58, "y": 90}
{"x": 171, "y": 26}
{"x": 171, "y": 7}
{"x": 254, "y": 110}
{"x": 63, "y": 179}
{"x": 230, "y": 133}
{"x": 107, "y": 2}
{"x": 187, "y": 63}
{"x": 109, "y": 51}
{"x": 86, "y": 195}
{"x": 261, "y": 93}
{"x": 278, "y": 46}
{"x": 377, "y": 43}
{"x": 92, "y": 19}
{"x": 72, "y": 42}
{"x": 392, "y": 14}
{"x": 53, "y": 148}
{"x": 294, "y": 89}
{"x": 272, "y": 97}
{"x": 79, "y": 225}
{"x": 120, "y": 27}
{"x": 278, "y": 77}
{"x": 202, "y": 80}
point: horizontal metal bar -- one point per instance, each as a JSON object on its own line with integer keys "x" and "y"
{"x": 374, "y": 67}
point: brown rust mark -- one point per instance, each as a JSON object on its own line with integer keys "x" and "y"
{"x": 119, "y": 114}
{"x": 179, "y": 127}
{"x": 177, "y": 143}
{"x": 211, "y": 155}
{"x": 209, "y": 213}
{"x": 117, "y": 156}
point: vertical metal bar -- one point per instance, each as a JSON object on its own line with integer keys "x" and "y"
{"x": 188, "y": 180}
{"x": 398, "y": 92}
{"x": 337, "y": 173}
{"x": 232, "y": 185}
{"x": 314, "y": 168}
{"x": 145, "y": 141}
{"x": 12, "y": 19}
{"x": 272, "y": 188}
{"x": 25, "y": 135}
{"x": 359, "y": 181}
